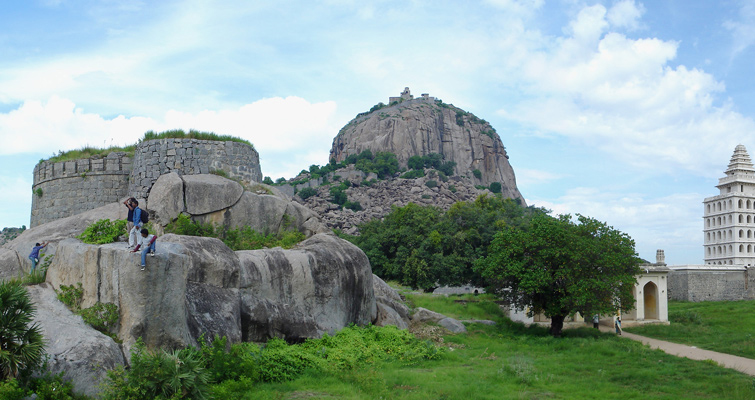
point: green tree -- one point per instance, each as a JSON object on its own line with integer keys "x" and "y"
{"x": 268, "y": 181}
{"x": 558, "y": 267}
{"x": 415, "y": 162}
{"x": 495, "y": 187}
{"x": 21, "y": 343}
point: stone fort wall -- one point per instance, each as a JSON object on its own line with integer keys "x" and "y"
{"x": 703, "y": 283}
{"x": 190, "y": 157}
{"x": 71, "y": 187}
{"x": 66, "y": 188}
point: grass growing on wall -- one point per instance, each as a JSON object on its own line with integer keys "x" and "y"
{"x": 180, "y": 134}
{"x": 723, "y": 326}
{"x": 91, "y": 151}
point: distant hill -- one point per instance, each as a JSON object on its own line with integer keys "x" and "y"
{"x": 410, "y": 127}
{"x": 8, "y": 234}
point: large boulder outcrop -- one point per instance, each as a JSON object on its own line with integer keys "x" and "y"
{"x": 320, "y": 286}
{"x": 207, "y": 193}
{"x": 166, "y": 199}
{"x": 212, "y": 199}
{"x": 84, "y": 354}
{"x": 420, "y": 127}
{"x": 152, "y": 303}
{"x": 391, "y": 310}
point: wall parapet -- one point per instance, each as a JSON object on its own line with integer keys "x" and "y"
{"x": 65, "y": 188}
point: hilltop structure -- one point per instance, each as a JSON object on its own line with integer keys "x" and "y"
{"x": 409, "y": 127}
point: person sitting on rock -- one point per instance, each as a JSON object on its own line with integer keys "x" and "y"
{"x": 147, "y": 244}
{"x": 34, "y": 256}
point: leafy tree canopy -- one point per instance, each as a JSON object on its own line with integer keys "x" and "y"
{"x": 558, "y": 267}
{"x": 423, "y": 247}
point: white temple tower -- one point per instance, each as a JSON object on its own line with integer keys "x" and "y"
{"x": 729, "y": 218}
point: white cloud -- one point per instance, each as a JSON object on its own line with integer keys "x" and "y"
{"x": 672, "y": 223}
{"x": 621, "y": 96}
{"x": 530, "y": 177}
{"x": 626, "y": 14}
{"x": 291, "y": 127}
{"x": 743, "y": 29}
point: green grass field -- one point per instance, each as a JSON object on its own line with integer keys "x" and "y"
{"x": 723, "y": 326}
{"x": 510, "y": 361}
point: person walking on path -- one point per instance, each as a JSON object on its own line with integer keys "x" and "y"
{"x": 130, "y": 220}
{"x": 34, "y": 256}
{"x": 617, "y": 325}
{"x": 136, "y": 229}
{"x": 147, "y": 244}
{"x": 595, "y": 321}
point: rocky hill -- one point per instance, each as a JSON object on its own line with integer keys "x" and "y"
{"x": 410, "y": 127}
{"x": 376, "y": 197}
{"x": 8, "y": 234}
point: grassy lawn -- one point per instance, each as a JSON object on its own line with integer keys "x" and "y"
{"x": 723, "y": 326}
{"x": 510, "y": 361}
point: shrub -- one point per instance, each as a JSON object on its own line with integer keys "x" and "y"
{"x": 160, "y": 374}
{"x": 101, "y": 316}
{"x": 219, "y": 172}
{"x": 415, "y": 162}
{"x": 307, "y": 193}
{"x": 71, "y": 296}
{"x": 460, "y": 117}
{"x": 268, "y": 181}
{"x": 413, "y": 174}
{"x": 353, "y": 205}
{"x": 9, "y": 390}
{"x": 477, "y": 173}
{"x": 184, "y": 225}
{"x": 431, "y": 184}
{"x": 452, "y": 188}
{"x": 495, "y": 187}
{"x": 447, "y": 167}
{"x": 38, "y": 192}
{"x": 103, "y": 231}
{"x": 21, "y": 341}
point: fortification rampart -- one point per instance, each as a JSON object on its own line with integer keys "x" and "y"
{"x": 711, "y": 283}
{"x": 67, "y": 188}
{"x": 190, "y": 157}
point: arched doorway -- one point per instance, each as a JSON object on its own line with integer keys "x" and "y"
{"x": 650, "y": 292}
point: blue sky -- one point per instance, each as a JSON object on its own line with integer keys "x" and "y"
{"x": 625, "y": 111}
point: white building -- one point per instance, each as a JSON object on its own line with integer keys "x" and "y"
{"x": 729, "y": 218}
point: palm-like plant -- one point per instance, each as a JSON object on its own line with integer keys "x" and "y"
{"x": 21, "y": 344}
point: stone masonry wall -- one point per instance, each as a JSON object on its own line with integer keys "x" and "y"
{"x": 71, "y": 187}
{"x": 710, "y": 285}
{"x": 189, "y": 157}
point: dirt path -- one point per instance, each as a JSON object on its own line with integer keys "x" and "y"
{"x": 741, "y": 364}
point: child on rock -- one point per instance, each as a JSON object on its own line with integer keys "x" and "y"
{"x": 147, "y": 243}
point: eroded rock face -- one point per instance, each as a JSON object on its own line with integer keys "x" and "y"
{"x": 84, "y": 354}
{"x": 152, "y": 303}
{"x": 320, "y": 286}
{"x": 208, "y": 193}
{"x": 421, "y": 127}
{"x": 166, "y": 199}
{"x": 391, "y": 310}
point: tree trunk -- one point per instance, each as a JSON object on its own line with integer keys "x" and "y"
{"x": 557, "y": 325}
